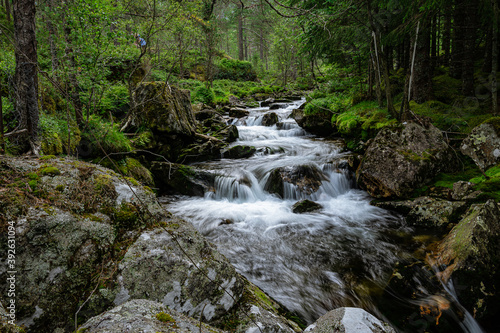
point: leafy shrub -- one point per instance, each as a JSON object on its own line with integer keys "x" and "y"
{"x": 236, "y": 70}
{"x": 99, "y": 133}
{"x": 54, "y": 135}
{"x": 204, "y": 95}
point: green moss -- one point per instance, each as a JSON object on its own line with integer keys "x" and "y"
{"x": 60, "y": 188}
{"x": 132, "y": 181}
{"x": 33, "y": 176}
{"x": 33, "y": 184}
{"x": 165, "y": 317}
{"x": 47, "y": 157}
{"x": 50, "y": 171}
{"x": 126, "y": 217}
{"x": 495, "y": 121}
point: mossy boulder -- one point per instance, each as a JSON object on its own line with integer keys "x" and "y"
{"x": 164, "y": 109}
{"x": 349, "y": 320}
{"x": 140, "y": 315}
{"x": 401, "y": 159}
{"x": 305, "y": 179}
{"x": 239, "y": 152}
{"x": 435, "y": 213}
{"x": 238, "y": 112}
{"x": 483, "y": 144}
{"x": 471, "y": 257}
{"x": 306, "y": 206}
{"x": 182, "y": 179}
{"x": 319, "y": 123}
{"x": 270, "y": 119}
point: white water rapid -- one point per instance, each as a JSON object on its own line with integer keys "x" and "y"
{"x": 308, "y": 262}
{"x": 313, "y": 262}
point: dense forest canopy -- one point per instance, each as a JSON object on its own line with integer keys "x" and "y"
{"x": 88, "y": 58}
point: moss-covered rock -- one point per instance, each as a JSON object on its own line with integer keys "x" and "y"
{"x": 304, "y": 178}
{"x": 238, "y": 112}
{"x": 270, "y": 119}
{"x": 404, "y": 158}
{"x": 140, "y": 315}
{"x": 483, "y": 144}
{"x": 435, "y": 213}
{"x": 471, "y": 255}
{"x": 183, "y": 179}
{"x": 318, "y": 123}
{"x": 239, "y": 152}
{"x": 306, "y": 206}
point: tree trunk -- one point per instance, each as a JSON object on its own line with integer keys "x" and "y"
{"x": 471, "y": 27}
{"x": 73, "y": 80}
{"x": 241, "y": 49}
{"x": 494, "y": 65}
{"x": 447, "y": 33}
{"x": 50, "y": 27}
{"x": 422, "y": 73}
{"x": 458, "y": 42}
{"x": 488, "y": 49}
{"x": 26, "y": 75}
{"x": 7, "y": 10}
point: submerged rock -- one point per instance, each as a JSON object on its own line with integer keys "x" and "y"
{"x": 348, "y": 320}
{"x": 483, "y": 144}
{"x": 144, "y": 316}
{"x": 270, "y": 119}
{"x": 239, "y": 152}
{"x": 400, "y": 160}
{"x": 306, "y": 178}
{"x": 306, "y": 206}
{"x": 238, "y": 113}
{"x": 319, "y": 123}
{"x": 471, "y": 255}
{"x": 183, "y": 179}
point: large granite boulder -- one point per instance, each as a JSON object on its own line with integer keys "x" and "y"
{"x": 164, "y": 109}
{"x": 471, "y": 257}
{"x": 270, "y": 119}
{"x": 319, "y": 123}
{"x": 483, "y": 144}
{"x": 140, "y": 315}
{"x": 402, "y": 159}
{"x": 182, "y": 179}
{"x": 305, "y": 178}
{"x": 435, "y": 213}
{"x": 88, "y": 240}
{"x": 343, "y": 320}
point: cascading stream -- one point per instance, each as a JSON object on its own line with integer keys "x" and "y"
{"x": 312, "y": 262}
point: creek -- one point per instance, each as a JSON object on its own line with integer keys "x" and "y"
{"x": 311, "y": 262}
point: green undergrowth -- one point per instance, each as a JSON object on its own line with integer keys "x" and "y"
{"x": 102, "y": 136}
{"x": 130, "y": 168}
{"x": 54, "y": 135}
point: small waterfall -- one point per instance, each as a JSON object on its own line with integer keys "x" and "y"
{"x": 311, "y": 262}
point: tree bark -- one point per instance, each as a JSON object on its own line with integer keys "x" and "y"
{"x": 471, "y": 26}
{"x": 422, "y": 73}
{"x": 8, "y": 10}
{"x": 241, "y": 49}
{"x": 447, "y": 33}
{"x": 26, "y": 75}
{"x": 458, "y": 42}
{"x": 494, "y": 65}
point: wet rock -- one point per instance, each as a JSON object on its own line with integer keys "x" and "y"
{"x": 144, "y": 316}
{"x": 276, "y": 106}
{"x": 156, "y": 268}
{"x": 239, "y": 152}
{"x": 306, "y": 178}
{"x": 207, "y": 114}
{"x": 267, "y": 102}
{"x": 471, "y": 255}
{"x": 319, "y": 123}
{"x": 348, "y": 320}
{"x": 164, "y": 109}
{"x": 402, "y": 207}
{"x": 183, "y": 179}
{"x": 230, "y": 133}
{"x": 464, "y": 190}
{"x": 435, "y": 213}
{"x": 483, "y": 144}
{"x": 400, "y": 160}
{"x": 269, "y": 119}
{"x": 238, "y": 113}
{"x": 306, "y": 206}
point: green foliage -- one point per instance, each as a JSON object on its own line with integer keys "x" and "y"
{"x": 204, "y": 95}
{"x": 115, "y": 98}
{"x": 54, "y": 135}
{"x": 102, "y": 135}
{"x": 165, "y": 317}
{"x": 236, "y": 70}
{"x": 50, "y": 171}
{"x": 335, "y": 104}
